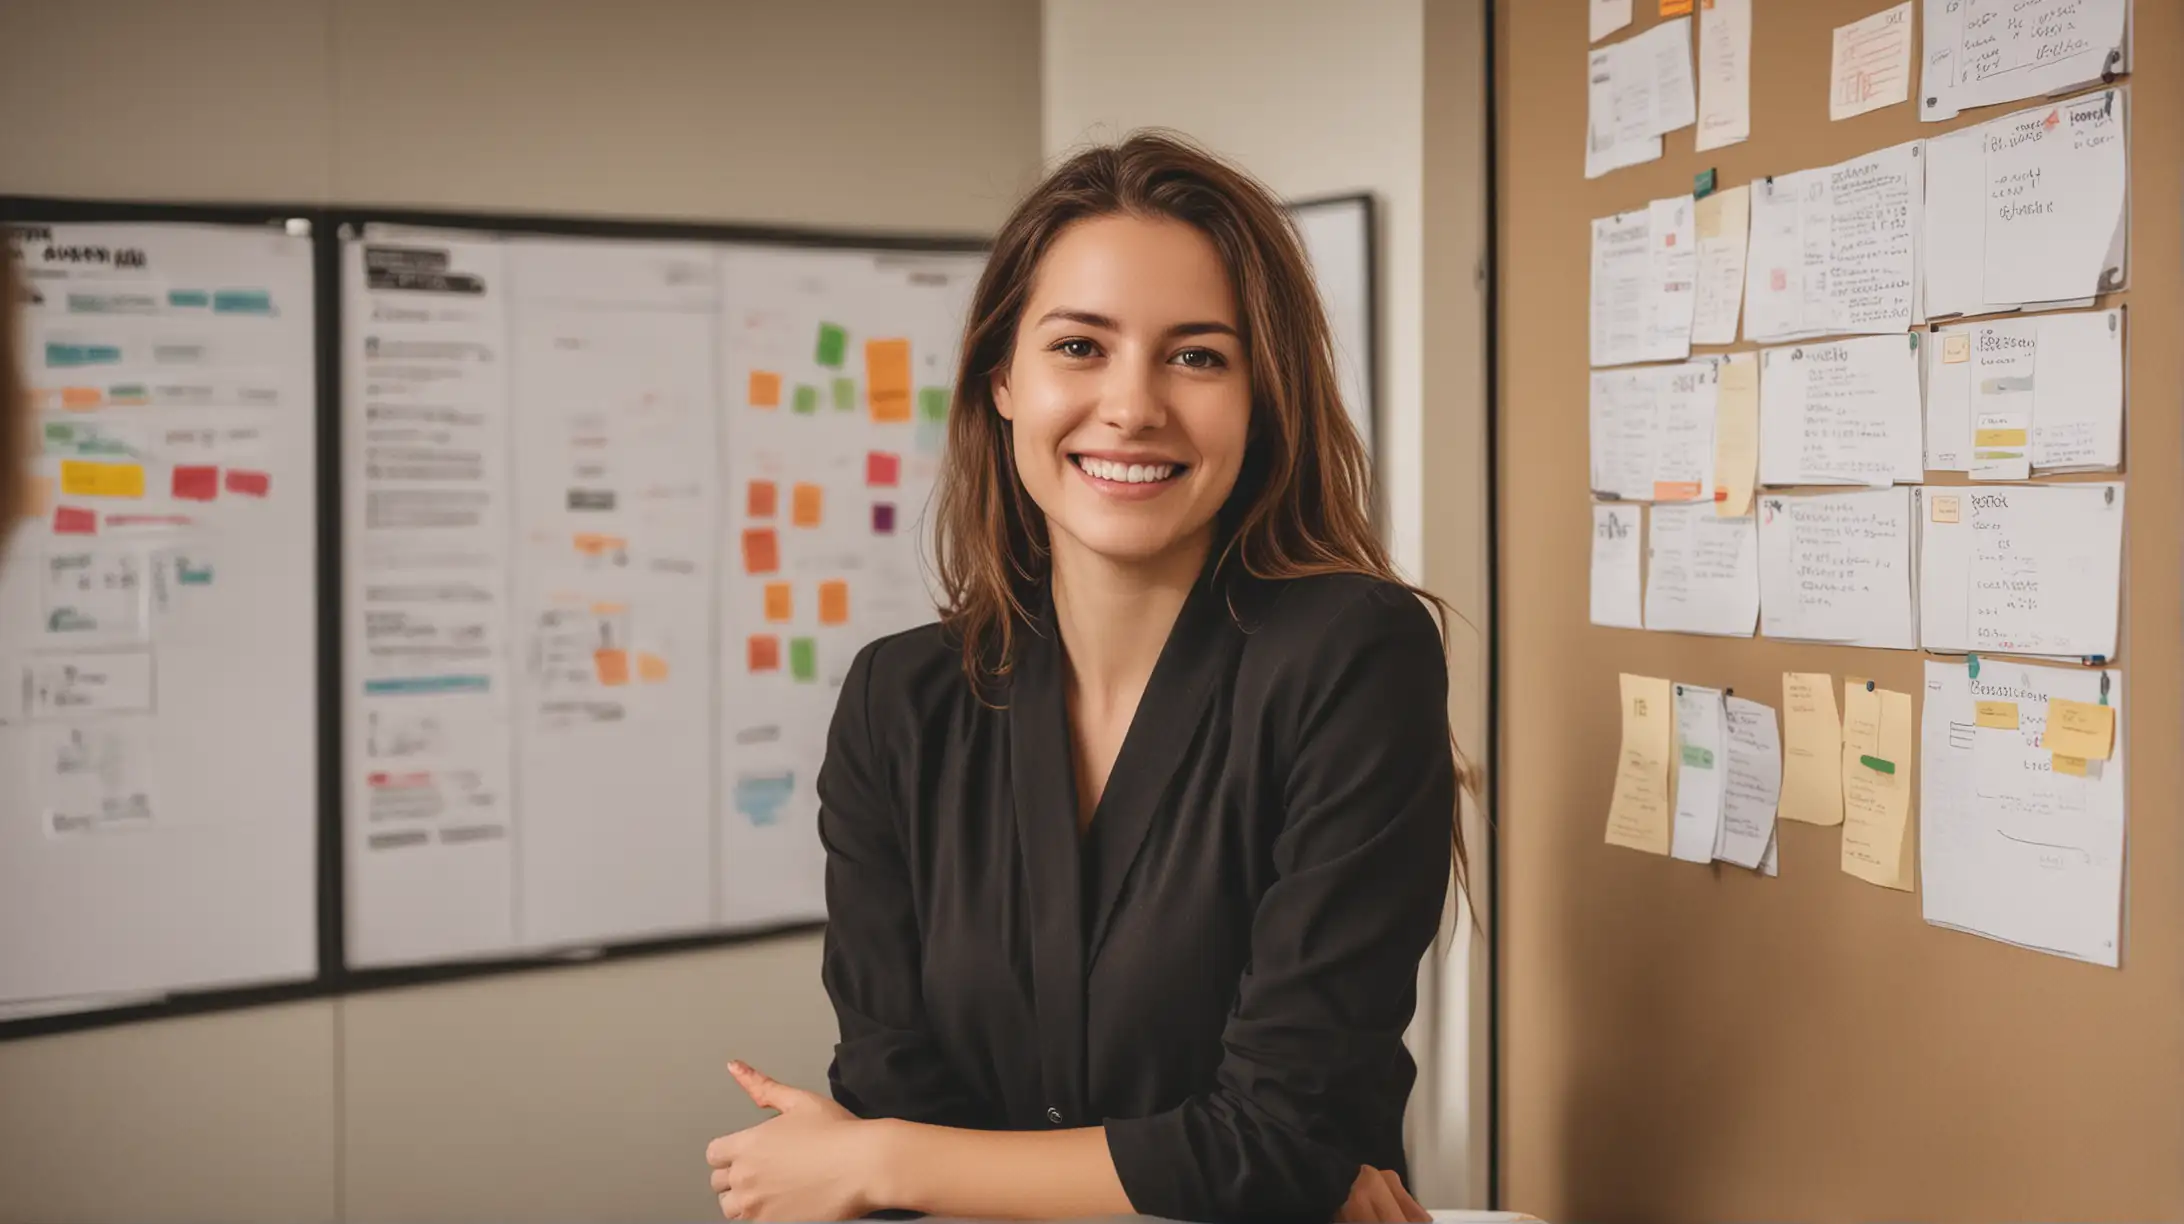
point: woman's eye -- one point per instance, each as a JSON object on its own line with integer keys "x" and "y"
{"x": 1077, "y": 348}
{"x": 1201, "y": 359}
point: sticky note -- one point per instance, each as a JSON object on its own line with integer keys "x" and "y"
{"x": 780, "y": 601}
{"x": 196, "y": 483}
{"x": 758, "y": 499}
{"x": 74, "y": 520}
{"x": 765, "y": 389}
{"x": 882, "y": 470}
{"x": 82, "y": 478}
{"x": 1948, "y": 507}
{"x": 1736, "y": 435}
{"x": 2074, "y": 766}
{"x": 1675, "y": 8}
{"x": 1956, "y": 348}
{"x": 833, "y": 346}
{"x": 613, "y": 667}
{"x": 651, "y": 669}
{"x": 248, "y": 484}
{"x": 2079, "y": 728}
{"x": 933, "y": 403}
{"x": 1877, "y": 765}
{"x": 1641, "y": 813}
{"x": 1812, "y": 745}
{"x": 806, "y": 401}
{"x": 592, "y": 544}
{"x": 1998, "y": 715}
{"x": 804, "y": 659}
{"x": 761, "y": 552}
{"x": 1675, "y": 490}
{"x": 887, "y": 379}
{"x": 37, "y": 495}
{"x": 807, "y": 505}
{"x": 81, "y": 399}
{"x": 883, "y": 518}
{"x": 834, "y": 603}
{"x": 763, "y": 653}
{"x": 845, "y": 395}
{"x": 1999, "y": 437}
{"x": 1878, "y": 733}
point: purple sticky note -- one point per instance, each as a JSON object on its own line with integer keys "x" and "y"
{"x": 883, "y": 518}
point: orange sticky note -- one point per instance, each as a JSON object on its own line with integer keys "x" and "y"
{"x": 764, "y": 653}
{"x": 887, "y": 379}
{"x": 780, "y": 601}
{"x": 37, "y": 495}
{"x": 765, "y": 389}
{"x": 1675, "y": 8}
{"x": 761, "y": 552}
{"x": 613, "y": 666}
{"x": 807, "y": 504}
{"x": 834, "y": 603}
{"x": 81, "y": 399}
{"x": 759, "y": 502}
{"x": 651, "y": 669}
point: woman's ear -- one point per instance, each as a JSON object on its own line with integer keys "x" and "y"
{"x": 999, "y": 387}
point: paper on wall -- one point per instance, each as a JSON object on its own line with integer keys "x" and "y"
{"x": 1644, "y": 269}
{"x": 1702, "y": 753}
{"x": 1652, "y": 431}
{"x": 1835, "y": 250}
{"x": 1987, "y": 52}
{"x": 1702, "y": 572}
{"x": 1639, "y": 89}
{"x": 1641, "y": 814}
{"x": 1841, "y": 412}
{"x": 1812, "y": 755}
{"x": 1723, "y": 225}
{"x": 1607, "y": 16}
{"x": 1736, "y": 434}
{"x": 1837, "y": 568}
{"x": 1725, "y": 73}
{"x": 1752, "y": 785}
{"x": 2041, "y": 565}
{"x": 1617, "y": 537}
{"x": 1877, "y": 746}
{"x": 1870, "y": 66}
{"x": 2070, "y": 369}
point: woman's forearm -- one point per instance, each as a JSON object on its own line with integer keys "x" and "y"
{"x": 942, "y": 1170}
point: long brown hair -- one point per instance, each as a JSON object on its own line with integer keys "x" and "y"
{"x": 14, "y": 399}
{"x": 1300, "y": 504}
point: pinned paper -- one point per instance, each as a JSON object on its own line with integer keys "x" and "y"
{"x": 1640, "y": 816}
{"x": 887, "y": 379}
{"x": 2080, "y": 729}
{"x": 1736, "y": 435}
{"x": 883, "y": 518}
{"x": 1871, "y": 64}
{"x": 834, "y": 603}
{"x": 806, "y": 505}
{"x": 1997, "y": 715}
{"x": 651, "y": 669}
{"x": 780, "y": 601}
{"x": 845, "y": 395}
{"x": 765, "y": 389}
{"x": 1877, "y": 739}
{"x": 806, "y": 401}
{"x": 803, "y": 659}
{"x": 196, "y": 483}
{"x": 761, "y": 551}
{"x": 758, "y": 501}
{"x": 248, "y": 484}
{"x": 2074, "y": 766}
{"x": 74, "y": 520}
{"x": 763, "y": 653}
{"x": 82, "y": 478}
{"x": 1812, "y": 777}
{"x": 833, "y": 346}
{"x": 882, "y": 470}
{"x": 613, "y": 667}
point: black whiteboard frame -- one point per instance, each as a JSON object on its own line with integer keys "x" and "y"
{"x": 335, "y": 977}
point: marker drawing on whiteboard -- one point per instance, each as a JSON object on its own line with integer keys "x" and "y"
{"x": 759, "y": 798}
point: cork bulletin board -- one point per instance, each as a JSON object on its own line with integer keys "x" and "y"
{"x": 1684, "y": 1042}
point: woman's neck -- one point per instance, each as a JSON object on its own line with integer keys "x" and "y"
{"x": 1114, "y": 618}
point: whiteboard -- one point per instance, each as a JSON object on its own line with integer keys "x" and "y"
{"x": 158, "y": 619}
{"x": 619, "y": 514}
{"x": 1339, "y": 239}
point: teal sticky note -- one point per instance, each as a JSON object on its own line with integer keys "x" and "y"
{"x": 185, "y": 299}
{"x": 807, "y": 399}
{"x": 845, "y": 395}
{"x": 242, "y": 301}
{"x": 833, "y": 346}
{"x": 933, "y": 403}
{"x": 804, "y": 659}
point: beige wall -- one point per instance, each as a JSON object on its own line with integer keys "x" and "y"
{"x": 1317, "y": 98}
{"x": 574, "y": 1093}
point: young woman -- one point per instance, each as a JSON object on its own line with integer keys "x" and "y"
{"x": 1131, "y": 859}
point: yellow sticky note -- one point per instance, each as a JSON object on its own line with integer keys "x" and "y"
{"x": 651, "y": 669}
{"x": 1812, "y": 750}
{"x": 780, "y": 602}
{"x": 2079, "y": 728}
{"x": 1877, "y": 746}
{"x": 1948, "y": 507}
{"x": 1956, "y": 348}
{"x": 1641, "y": 815}
{"x": 887, "y": 379}
{"x": 2071, "y": 765}
{"x": 1999, "y": 437}
{"x": 83, "y": 478}
{"x": 1736, "y": 435}
{"x": 1998, "y": 715}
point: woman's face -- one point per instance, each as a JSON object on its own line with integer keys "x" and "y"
{"x": 1128, "y": 393}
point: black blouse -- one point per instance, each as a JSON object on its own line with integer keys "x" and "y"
{"x": 1221, "y": 971}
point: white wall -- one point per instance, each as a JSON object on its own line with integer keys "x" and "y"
{"x": 569, "y": 1094}
{"x": 1315, "y": 98}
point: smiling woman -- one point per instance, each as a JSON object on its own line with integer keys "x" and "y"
{"x": 1132, "y": 857}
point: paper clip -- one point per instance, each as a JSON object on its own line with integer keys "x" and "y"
{"x": 1971, "y": 665}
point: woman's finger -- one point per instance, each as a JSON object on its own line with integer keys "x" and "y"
{"x": 721, "y": 1184}
{"x": 731, "y": 1206}
{"x": 1412, "y": 1212}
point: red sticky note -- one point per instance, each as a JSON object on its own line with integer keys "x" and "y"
{"x": 765, "y": 653}
{"x": 196, "y": 483}
{"x": 248, "y": 484}
{"x": 73, "y": 520}
{"x": 760, "y": 501}
{"x": 882, "y": 470}
{"x": 761, "y": 551}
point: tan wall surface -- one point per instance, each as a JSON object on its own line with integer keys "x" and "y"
{"x": 1689, "y": 1044}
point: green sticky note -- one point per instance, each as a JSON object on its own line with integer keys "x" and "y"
{"x": 807, "y": 399}
{"x": 803, "y": 659}
{"x": 1877, "y": 765}
{"x": 845, "y": 395}
{"x": 833, "y": 346}
{"x": 933, "y": 403}
{"x": 1697, "y": 757}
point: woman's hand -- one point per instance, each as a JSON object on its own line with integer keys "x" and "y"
{"x": 1378, "y": 1197}
{"x": 812, "y": 1162}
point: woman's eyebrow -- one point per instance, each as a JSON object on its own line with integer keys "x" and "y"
{"x": 1207, "y": 327}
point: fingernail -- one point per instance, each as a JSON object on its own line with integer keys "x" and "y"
{"x": 738, "y": 1066}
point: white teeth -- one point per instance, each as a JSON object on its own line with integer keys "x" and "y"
{"x": 1125, "y": 473}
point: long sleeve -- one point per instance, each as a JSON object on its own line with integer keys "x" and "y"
{"x": 886, "y": 1063}
{"x": 1313, "y": 1065}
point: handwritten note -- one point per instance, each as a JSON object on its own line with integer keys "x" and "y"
{"x": 1753, "y": 783}
{"x": 1615, "y": 566}
{"x": 1702, "y": 573}
{"x": 1725, "y": 73}
{"x": 1644, "y": 283}
{"x": 1874, "y": 208}
{"x": 2082, "y": 729}
{"x": 1837, "y": 568}
{"x": 1723, "y": 222}
{"x": 1877, "y": 737}
{"x": 2058, "y": 376}
{"x": 1986, "y": 52}
{"x": 2057, "y": 180}
{"x": 1871, "y": 64}
{"x": 2045, "y": 569}
{"x": 1736, "y": 435}
{"x": 1640, "y": 815}
{"x": 2002, "y": 361}
{"x": 1702, "y": 765}
{"x": 1843, "y": 412}
{"x": 1812, "y": 759}
{"x": 1640, "y": 88}
{"x": 1652, "y": 431}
